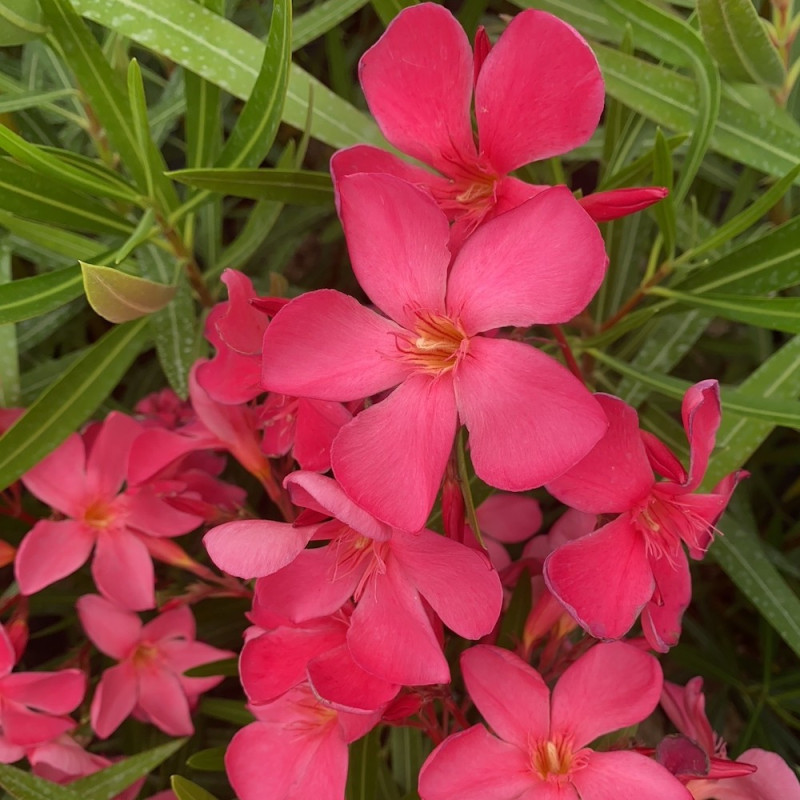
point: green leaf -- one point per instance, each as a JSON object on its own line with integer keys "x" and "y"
{"x": 29, "y": 297}
{"x": 109, "y": 782}
{"x": 106, "y": 94}
{"x": 226, "y": 710}
{"x": 20, "y": 21}
{"x": 119, "y": 297}
{"x": 69, "y": 402}
{"x": 71, "y": 246}
{"x": 767, "y": 264}
{"x": 210, "y": 760}
{"x": 33, "y": 99}
{"x": 225, "y": 666}
{"x": 669, "y": 99}
{"x": 362, "y": 768}
{"x": 186, "y": 790}
{"x": 408, "y": 748}
{"x": 229, "y": 57}
{"x": 301, "y": 187}
{"x": 47, "y": 164}
{"x": 753, "y": 406}
{"x": 30, "y": 194}
{"x": 255, "y": 130}
{"x": 772, "y": 313}
{"x": 322, "y": 18}
{"x": 665, "y": 210}
{"x": 743, "y": 557}
{"x": 387, "y": 10}
{"x": 9, "y": 355}
{"x": 24, "y": 786}
{"x": 737, "y": 39}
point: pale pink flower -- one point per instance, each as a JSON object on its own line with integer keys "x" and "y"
{"x": 537, "y": 93}
{"x": 539, "y": 750}
{"x": 83, "y": 480}
{"x": 148, "y": 681}
{"x": 395, "y": 578}
{"x": 297, "y": 750}
{"x": 34, "y": 705}
{"x": 540, "y": 263}
{"x": 636, "y": 562}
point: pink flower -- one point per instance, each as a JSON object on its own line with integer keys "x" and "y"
{"x": 540, "y": 263}
{"x": 537, "y": 93}
{"x": 33, "y": 705}
{"x": 539, "y": 750}
{"x": 394, "y": 576}
{"x": 83, "y": 480}
{"x": 148, "y": 681}
{"x": 297, "y": 750}
{"x": 636, "y": 562}
{"x": 755, "y": 775}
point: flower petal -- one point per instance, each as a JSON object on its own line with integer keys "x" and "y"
{"x": 509, "y": 518}
{"x": 624, "y": 775}
{"x": 107, "y": 462}
{"x": 326, "y": 345}
{"x": 603, "y": 579}
{"x": 391, "y": 458}
{"x": 418, "y": 83}
{"x": 541, "y": 262}
{"x": 539, "y": 93}
{"x": 50, "y": 551}
{"x": 365, "y": 158}
{"x": 556, "y": 420}
{"x": 252, "y": 548}
{"x": 605, "y": 206}
{"x": 511, "y": 695}
{"x": 397, "y": 237}
{"x": 114, "y": 699}
{"x": 474, "y": 765}
{"x": 457, "y": 581}
{"x": 163, "y": 702}
{"x": 53, "y": 692}
{"x": 123, "y": 571}
{"x": 610, "y": 687}
{"x": 661, "y": 622}
{"x": 113, "y": 630}
{"x": 616, "y": 474}
{"x": 59, "y": 479}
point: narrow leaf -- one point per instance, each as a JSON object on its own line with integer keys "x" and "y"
{"x": 24, "y": 786}
{"x": 387, "y": 10}
{"x": 322, "y": 18}
{"x": 119, "y": 297}
{"x": 186, "y": 790}
{"x": 69, "y": 402}
{"x": 255, "y": 130}
{"x": 23, "y": 100}
{"x": 109, "y": 782}
{"x": 362, "y": 768}
{"x": 26, "y": 298}
{"x": 210, "y": 760}
{"x": 9, "y": 355}
{"x": 20, "y": 21}
{"x": 300, "y": 187}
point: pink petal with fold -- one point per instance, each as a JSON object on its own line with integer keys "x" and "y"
{"x": 509, "y": 518}
{"x": 175, "y": 623}
{"x": 773, "y": 780}
{"x": 603, "y": 579}
{"x": 605, "y": 206}
{"x": 610, "y": 687}
{"x": 325, "y": 495}
{"x": 418, "y": 83}
{"x": 397, "y": 238}
{"x": 253, "y": 548}
{"x": 318, "y": 423}
{"x": 539, "y": 93}
{"x": 51, "y": 551}
{"x": 615, "y": 475}
{"x": 391, "y": 636}
{"x": 474, "y": 765}
{"x": 114, "y": 699}
{"x": 661, "y": 622}
{"x": 457, "y": 581}
{"x": 391, "y": 458}
{"x": 107, "y": 461}
{"x": 510, "y": 694}
{"x": 26, "y": 728}
{"x": 163, "y": 702}
{"x": 327, "y": 346}
{"x": 59, "y": 479}
{"x": 556, "y": 420}
{"x": 53, "y": 692}
{"x": 701, "y": 417}
{"x": 624, "y": 775}
{"x": 8, "y": 656}
{"x": 541, "y": 262}
{"x": 123, "y": 571}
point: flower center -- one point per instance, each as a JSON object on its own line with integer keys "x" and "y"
{"x": 659, "y": 520}
{"x": 470, "y": 193}
{"x": 552, "y": 758}
{"x": 99, "y": 514}
{"x": 146, "y": 653}
{"x": 436, "y": 344}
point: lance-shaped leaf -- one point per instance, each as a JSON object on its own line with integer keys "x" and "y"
{"x": 109, "y": 782}
{"x": 30, "y": 297}
{"x": 387, "y": 10}
{"x": 737, "y": 39}
{"x": 322, "y": 18}
{"x": 69, "y": 401}
{"x": 20, "y": 21}
{"x": 255, "y": 130}
{"x": 119, "y": 297}
{"x": 210, "y": 760}
{"x": 24, "y": 786}
{"x": 187, "y": 790}
{"x": 301, "y": 187}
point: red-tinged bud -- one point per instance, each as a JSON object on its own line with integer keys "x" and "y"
{"x": 7, "y": 553}
{"x": 482, "y": 48}
{"x": 452, "y": 508}
{"x": 17, "y": 630}
{"x": 269, "y": 305}
{"x": 605, "y": 206}
{"x": 401, "y": 708}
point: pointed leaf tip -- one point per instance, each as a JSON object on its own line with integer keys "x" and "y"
{"x": 119, "y": 297}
